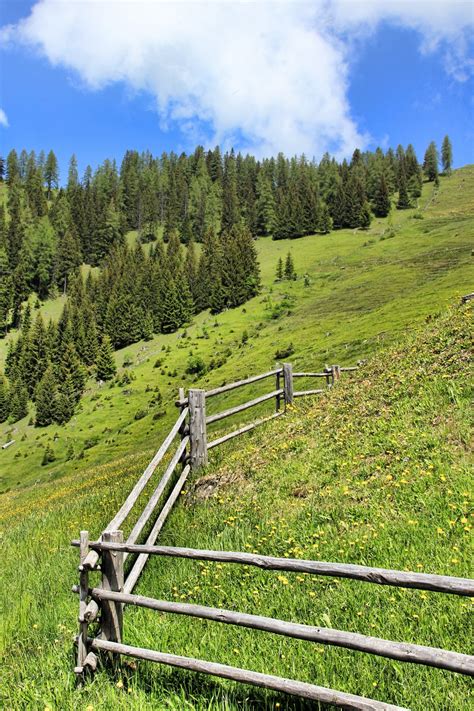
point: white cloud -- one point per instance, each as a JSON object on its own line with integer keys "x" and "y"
{"x": 3, "y": 119}
{"x": 266, "y": 76}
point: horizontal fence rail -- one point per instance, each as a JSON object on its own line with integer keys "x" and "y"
{"x": 245, "y": 406}
{"x": 378, "y": 576}
{"x": 266, "y": 681}
{"x": 401, "y": 651}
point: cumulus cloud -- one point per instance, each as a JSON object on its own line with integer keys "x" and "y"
{"x": 265, "y": 76}
{"x": 3, "y": 119}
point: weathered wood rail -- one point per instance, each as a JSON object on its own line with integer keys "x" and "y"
{"x": 103, "y": 604}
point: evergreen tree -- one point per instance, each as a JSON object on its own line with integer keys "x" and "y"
{"x": 6, "y": 292}
{"x": 415, "y": 185}
{"x": 403, "y": 198}
{"x": 4, "y": 400}
{"x": 382, "y": 202}
{"x": 265, "y": 206}
{"x": 365, "y": 216}
{"x": 51, "y": 173}
{"x": 13, "y": 168}
{"x": 279, "y": 269}
{"x": 105, "y": 363}
{"x": 18, "y": 401}
{"x": 289, "y": 267}
{"x": 45, "y": 398}
{"x": 48, "y": 456}
{"x": 325, "y": 219}
{"x": 431, "y": 161}
{"x": 447, "y": 155}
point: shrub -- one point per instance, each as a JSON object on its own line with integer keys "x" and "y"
{"x": 284, "y": 352}
{"x": 140, "y": 414}
{"x": 196, "y": 366}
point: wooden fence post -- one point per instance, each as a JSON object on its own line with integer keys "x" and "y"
{"x": 197, "y": 428}
{"x": 83, "y": 593}
{"x": 112, "y": 579}
{"x": 335, "y": 372}
{"x": 288, "y": 383}
{"x": 278, "y": 386}
{"x": 184, "y": 429}
{"x": 329, "y": 376}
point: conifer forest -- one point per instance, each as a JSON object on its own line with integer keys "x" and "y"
{"x": 198, "y": 215}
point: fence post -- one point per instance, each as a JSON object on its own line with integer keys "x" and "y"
{"x": 329, "y": 376}
{"x": 83, "y": 593}
{"x": 197, "y": 428}
{"x": 335, "y": 372}
{"x": 288, "y": 383}
{"x": 183, "y": 430}
{"x": 278, "y": 386}
{"x": 112, "y": 579}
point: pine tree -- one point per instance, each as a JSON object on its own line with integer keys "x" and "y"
{"x": 403, "y": 198}
{"x": 289, "y": 267}
{"x": 45, "y": 398}
{"x": 415, "y": 185}
{"x": 431, "y": 161}
{"x": 279, "y": 269}
{"x": 447, "y": 156}
{"x": 6, "y": 300}
{"x": 48, "y": 456}
{"x": 18, "y": 401}
{"x": 325, "y": 219}
{"x": 105, "y": 363}
{"x": 51, "y": 173}
{"x": 4, "y": 400}
{"x": 382, "y": 201}
{"x": 365, "y": 216}
{"x": 71, "y": 367}
{"x": 265, "y": 206}
{"x": 65, "y": 401}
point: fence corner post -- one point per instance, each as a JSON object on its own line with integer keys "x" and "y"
{"x": 197, "y": 428}
{"x": 288, "y": 383}
{"x": 112, "y": 579}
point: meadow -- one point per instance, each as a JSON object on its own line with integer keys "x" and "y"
{"x": 355, "y": 291}
{"x": 376, "y": 472}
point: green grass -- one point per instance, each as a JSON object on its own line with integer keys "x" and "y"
{"x": 375, "y": 472}
{"x": 365, "y": 290}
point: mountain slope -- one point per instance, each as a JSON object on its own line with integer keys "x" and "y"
{"x": 355, "y": 291}
{"x": 374, "y": 472}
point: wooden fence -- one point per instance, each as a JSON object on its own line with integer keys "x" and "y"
{"x": 104, "y": 603}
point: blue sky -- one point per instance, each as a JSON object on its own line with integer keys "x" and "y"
{"x": 371, "y": 79}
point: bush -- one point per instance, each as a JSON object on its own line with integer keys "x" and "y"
{"x": 140, "y": 414}
{"x": 284, "y": 352}
{"x": 48, "y": 456}
{"x": 196, "y": 366}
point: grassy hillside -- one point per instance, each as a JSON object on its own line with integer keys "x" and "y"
{"x": 362, "y": 289}
{"x": 374, "y": 472}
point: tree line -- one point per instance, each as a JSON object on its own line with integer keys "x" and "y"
{"x": 46, "y": 232}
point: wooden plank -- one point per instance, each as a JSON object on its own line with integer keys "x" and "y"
{"x": 302, "y": 393}
{"x": 466, "y": 298}
{"x": 127, "y": 506}
{"x": 139, "y": 564}
{"x": 197, "y": 428}
{"x": 112, "y": 579}
{"x": 288, "y": 383}
{"x": 378, "y": 576}
{"x": 266, "y": 681}
{"x": 242, "y": 430}
{"x": 154, "y": 498}
{"x": 240, "y": 383}
{"x": 401, "y": 651}
{"x": 349, "y": 369}
{"x": 244, "y": 406}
